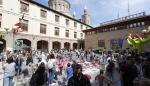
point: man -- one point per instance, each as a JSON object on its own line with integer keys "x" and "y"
{"x": 128, "y": 72}
{"x": 78, "y": 79}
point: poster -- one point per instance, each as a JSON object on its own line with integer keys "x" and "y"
{"x": 116, "y": 43}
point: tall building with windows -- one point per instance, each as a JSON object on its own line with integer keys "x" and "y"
{"x": 112, "y": 35}
{"x": 42, "y": 27}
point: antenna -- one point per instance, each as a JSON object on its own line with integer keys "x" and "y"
{"x": 74, "y": 14}
{"x": 118, "y": 14}
{"x": 85, "y": 7}
{"x": 128, "y": 7}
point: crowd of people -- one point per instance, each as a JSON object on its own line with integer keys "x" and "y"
{"x": 117, "y": 68}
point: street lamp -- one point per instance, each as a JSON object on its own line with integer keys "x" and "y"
{"x": 3, "y": 33}
{"x": 6, "y": 29}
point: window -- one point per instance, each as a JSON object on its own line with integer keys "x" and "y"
{"x": 56, "y": 31}
{"x": 56, "y": 18}
{"x": 86, "y": 27}
{"x": 1, "y": 1}
{"x": 101, "y": 43}
{"x": 43, "y": 28}
{"x": 75, "y": 24}
{"x": 134, "y": 25}
{"x": 75, "y": 34}
{"x": 81, "y": 35}
{"x": 43, "y": 13}
{"x": 81, "y": 27}
{"x": 0, "y": 20}
{"x": 139, "y": 24}
{"x": 24, "y": 8}
{"x": 143, "y": 23}
{"x": 131, "y": 25}
{"x": 24, "y": 25}
{"x": 67, "y": 21}
{"x": 67, "y": 33}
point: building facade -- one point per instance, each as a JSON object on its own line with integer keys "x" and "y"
{"x": 42, "y": 27}
{"x": 113, "y": 34}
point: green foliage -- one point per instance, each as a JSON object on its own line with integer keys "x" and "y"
{"x": 98, "y": 50}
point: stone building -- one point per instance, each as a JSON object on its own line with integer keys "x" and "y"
{"x": 113, "y": 34}
{"x": 43, "y": 27}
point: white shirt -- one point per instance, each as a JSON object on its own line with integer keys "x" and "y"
{"x": 9, "y": 69}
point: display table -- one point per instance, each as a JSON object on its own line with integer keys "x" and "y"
{"x": 90, "y": 70}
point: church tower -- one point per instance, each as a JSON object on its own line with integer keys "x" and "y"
{"x": 85, "y": 16}
{"x": 62, "y": 6}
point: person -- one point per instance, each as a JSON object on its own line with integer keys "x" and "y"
{"x": 146, "y": 68}
{"x": 128, "y": 72}
{"x": 102, "y": 79}
{"x": 39, "y": 78}
{"x": 69, "y": 71}
{"x": 9, "y": 72}
{"x": 51, "y": 69}
{"x": 110, "y": 70}
{"x": 78, "y": 79}
{"x": 61, "y": 63}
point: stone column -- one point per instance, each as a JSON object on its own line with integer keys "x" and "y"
{"x": 71, "y": 46}
{"x": 34, "y": 44}
{"x": 9, "y": 41}
{"x": 62, "y": 45}
{"x": 50, "y": 45}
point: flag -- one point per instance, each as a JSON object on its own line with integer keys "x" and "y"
{"x": 18, "y": 25}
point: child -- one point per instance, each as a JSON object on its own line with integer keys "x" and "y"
{"x": 69, "y": 71}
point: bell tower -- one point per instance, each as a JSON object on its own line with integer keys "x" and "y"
{"x": 85, "y": 16}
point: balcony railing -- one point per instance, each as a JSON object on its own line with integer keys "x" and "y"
{"x": 123, "y": 18}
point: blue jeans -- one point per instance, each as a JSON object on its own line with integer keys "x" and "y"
{"x": 8, "y": 81}
{"x": 110, "y": 76}
{"x": 51, "y": 76}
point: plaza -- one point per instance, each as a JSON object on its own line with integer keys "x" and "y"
{"x": 63, "y": 43}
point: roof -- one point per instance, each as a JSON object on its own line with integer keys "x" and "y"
{"x": 45, "y": 7}
{"x": 121, "y": 22}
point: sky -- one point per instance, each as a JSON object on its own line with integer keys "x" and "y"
{"x": 105, "y": 10}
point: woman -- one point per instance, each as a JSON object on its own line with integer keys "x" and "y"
{"x": 9, "y": 72}
{"x": 39, "y": 78}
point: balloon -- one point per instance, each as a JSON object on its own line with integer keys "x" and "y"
{"x": 138, "y": 40}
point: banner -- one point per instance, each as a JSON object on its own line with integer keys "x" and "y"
{"x": 116, "y": 43}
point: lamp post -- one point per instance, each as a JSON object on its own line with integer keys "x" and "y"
{"x": 3, "y": 33}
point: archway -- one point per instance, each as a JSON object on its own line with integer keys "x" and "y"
{"x": 42, "y": 45}
{"x": 24, "y": 44}
{"x": 75, "y": 45}
{"x": 2, "y": 45}
{"x": 56, "y": 45}
{"x": 67, "y": 45}
{"x": 81, "y": 44}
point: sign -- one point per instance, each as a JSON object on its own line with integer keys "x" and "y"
{"x": 18, "y": 44}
